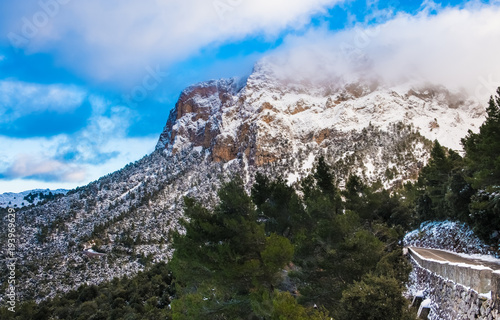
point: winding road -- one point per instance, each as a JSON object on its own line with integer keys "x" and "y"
{"x": 440, "y": 255}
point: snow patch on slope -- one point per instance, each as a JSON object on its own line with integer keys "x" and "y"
{"x": 448, "y": 235}
{"x": 16, "y": 200}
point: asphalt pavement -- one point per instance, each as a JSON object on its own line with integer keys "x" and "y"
{"x": 440, "y": 255}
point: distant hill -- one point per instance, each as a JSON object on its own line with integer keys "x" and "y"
{"x": 25, "y": 198}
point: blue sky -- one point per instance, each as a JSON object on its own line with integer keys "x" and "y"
{"x": 86, "y": 86}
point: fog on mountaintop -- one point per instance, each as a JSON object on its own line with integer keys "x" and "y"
{"x": 456, "y": 48}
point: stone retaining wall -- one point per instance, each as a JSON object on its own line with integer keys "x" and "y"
{"x": 479, "y": 278}
{"x": 452, "y": 301}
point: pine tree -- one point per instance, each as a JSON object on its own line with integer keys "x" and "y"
{"x": 223, "y": 256}
{"x": 483, "y": 167}
{"x": 278, "y": 205}
{"x": 356, "y": 197}
{"x": 324, "y": 177}
{"x": 374, "y": 298}
{"x": 434, "y": 180}
{"x": 483, "y": 148}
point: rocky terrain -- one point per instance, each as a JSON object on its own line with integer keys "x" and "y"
{"x": 223, "y": 128}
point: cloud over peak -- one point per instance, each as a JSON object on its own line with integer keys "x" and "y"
{"x": 454, "y": 47}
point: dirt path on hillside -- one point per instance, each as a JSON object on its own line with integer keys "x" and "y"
{"x": 451, "y": 257}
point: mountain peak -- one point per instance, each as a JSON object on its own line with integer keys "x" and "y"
{"x": 197, "y": 105}
{"x": 234, "y": 118}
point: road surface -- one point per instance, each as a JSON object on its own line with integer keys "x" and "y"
{"x": 451, "y": 257}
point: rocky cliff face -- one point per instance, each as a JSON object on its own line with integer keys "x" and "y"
{"x": 196, "y": 118}
{"x": 264, "y": 119}
{"x": 218, "y": 129}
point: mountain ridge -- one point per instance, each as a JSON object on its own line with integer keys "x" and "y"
{"x": 230, "y": 121}
{"x": 222, "y": 128}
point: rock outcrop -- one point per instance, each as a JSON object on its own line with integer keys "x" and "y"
{"x": 263, "y": 119}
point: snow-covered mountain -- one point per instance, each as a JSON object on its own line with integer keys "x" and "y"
{"x": 264, "y": 121}
{"x": 226, "y": 127}
{"x": 216, "y": 113}
{"x": 26, "y": 198}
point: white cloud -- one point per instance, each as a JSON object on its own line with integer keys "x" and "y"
{"x": 34, "y": 163}
{"x": 109, "y": 39}
{"x": 18, "y": 99}
{"x": 105, "y": 124}
{"x": 25, "y": 158}
{"x": 12, "y": 147}
{"x": 27, "y": 165}
{"x": 455, "y": 47}
{"x": 67, "y": 161}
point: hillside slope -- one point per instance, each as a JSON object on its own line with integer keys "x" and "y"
{"x": 225, "y": 127}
